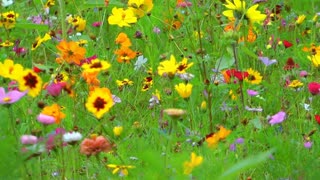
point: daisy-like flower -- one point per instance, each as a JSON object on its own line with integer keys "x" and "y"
{"x": 194, "y": 162}
{"x": 96, "y": 65}
{"x": 94, "y": 145}
{"x": 122, "y": 169}
{"x": 99, "y": 101}
{"x": 184, "y": 90}
{"x": 140, "y": 7}
{"x": 125, "y": 54}
{"x": 214, "y": 138}
{"x": 11, "y": 96}
{"x": 5, "y": 3}
{"x": 8, "y": 19}
{"x": 296, "y": 84}
{"x": 124, "y": 82}
{"x": 78, "y": 23}
{"x": 40, "y": 40}
{"x": 254, "y": 77}
{"x": 10, "y": 70}
{"x": 54, "y": 111}
{"x": 300, "y": 19}
{"x": 237, "y": 9}
{"x": 122, "y": 17}
{"x": 168, "y": 67}
{"x": 6, "y": 43}
{"x": 71, "y": 137}
{"x": 278, "y": 118}
{"x": 183, "y": 65}
{"x": 30, "y": 81}
{"x": 71, "y": 52}
{"x": 123, "y": 40}
{"x": 315, "y": 59}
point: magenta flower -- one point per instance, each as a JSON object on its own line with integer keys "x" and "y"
{"x": 10, "y": 97}
{"x": 307, "y": 144}
{"x": 277, "y": 118}
{"x": 252, "y": 92}
{"x": 96, "y": 24}
{"x": 54, "y": 89}
{"x": 45, "y": 119}
{"x": 28, "y": 139}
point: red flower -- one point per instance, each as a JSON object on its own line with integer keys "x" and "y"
{"x": 317, "y": 117}
{"x": 36, "y": 69}
{"x": 290, "y": 64}
{"x": 314, "y": 88}
{"x": 235, "y": 73}
{"x": 287, "y": 44}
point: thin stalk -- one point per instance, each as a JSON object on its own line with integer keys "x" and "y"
{"x": 62, "y": 17}
{"x": 236, "y": 63}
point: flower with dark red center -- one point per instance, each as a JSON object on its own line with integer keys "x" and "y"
{"x": 290, "y": 64}
{"x": 99, "y": 101}
{"x": 29, "y": 80}
{"x": 314, "y": 88}
{"x": 234, "y": 73}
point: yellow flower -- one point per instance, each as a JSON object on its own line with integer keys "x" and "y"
{"x": 295, "y": 84}
{"x": 55, "y": 111}
{"x": 99, "y": 101}
{"x": 8, "y": 19}
{"x": 198, "y": 35}
{"x": 10, "y": 70}
{"x": 49, "y": 3}
{"x": 194, "y": 162}
{"x": 96, "y": 65}
{"x": 40, "y": 40}
{"x": 254, "y": 77}
{"x": 124, "y": 82}
{"x": 117, "y": 130}
{"x": 203, "y": 105}
{"x": 29, "y": 80}
{"x": 315, "y": 59}
{"x": 168, "y": 67}
{"x": 300, "y": 19}
{"x": 237, "y": 9}
{"x": 233, "y": 95}
{"x": 184, "y": 90}
{"x": 140, "y": 7}
{"x": 123, "y": 170}
{"x": 183, "y": 66}
{"x": 122, "y": 17}
{"x": 78, "y": 23}
{"x": 6, "y": 43}
{"x": 214, "y": 138}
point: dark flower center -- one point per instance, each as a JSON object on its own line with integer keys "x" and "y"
{"x": 252, "y": 78}
{"x": 99, "y": 103}
{"x": 96, "y": 65}
{"x": 30, "y": 80}
{"x": 182, "y": 67}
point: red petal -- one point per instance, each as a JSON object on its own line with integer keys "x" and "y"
{"x": 287, "y": 44}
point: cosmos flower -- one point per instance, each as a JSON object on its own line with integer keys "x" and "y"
{"x": 122, "y": 17}
{"x": 125, "y": 54}
{"x": 29, "y": 80}
{"x": 96, "y": 65}
{"x": 278, "y": 118}
{"x": 194, "y": 162}
{"x": 70, "y": 52}
{"x": 54, "y": 111}
{"x": 8, "y": 69}
{"x": 28, "y": 139}
{"x": 11, "y": 96}
{"x": 55, "y": 88}
{"x": 123, "y": 40}
{"x": 140, "y": 7}
{"x": 99, "y": 101}
{"x": 94, "y": 145}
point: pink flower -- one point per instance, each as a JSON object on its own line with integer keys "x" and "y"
{"x": 95, "y": 145}
{"x": 96, "y": 24}
{"x": 307, "y": 144}
{"x": 277, "y": 118}
{"x": 10, "y": 97}
{"x": 28, "y": 139}
{"x": 45, "y": 119}
{"x": 183, "y": 4}
{"x": 54, "y": 89}
{"x": 314, "y": 88}
{"x": 252, "y": 92}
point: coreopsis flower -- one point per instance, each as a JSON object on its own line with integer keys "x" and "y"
{"x": 254, "y": 77}
{"x": 184, "y": 90}
{"x": 314, "y": 88}
{"x": 71, "y": 137}
{"x": 94, "y": 145}
{"x": 122, "y": 169}
{"x": 30, "y": 81}
{"x": 40, "y": 40}
{"x": 125, "y": 54}
{"x": 295, "y": 84}
{"x": 140, "y": 7}
{"x": 300, "y": 19}
{"x": 194, "y": 162}
{"x": 183, "y": 65}
{"x": 123, "y": 40}
{"x": 78, "y": 23}
{"x": 6, "y": 43}
{"x": 124, "y": 82}
{"x": 278, "y": 118}
{"x": 168, "y": 67}
{"x": 237, "y": 9}
{"x": 122, "y": 17}
{"x": 8, "y": 19}
{"x": 95, "y": 65}
{"x": 11, "y": 96}
{"x": 315, "y": 59}
{"x": 70, "y": 52}
{"x": 49, "y": 3}
{"x": 117, "y": 130}
{"x": 99, "y": 101}
{"x": 54, "y": 111}
{"x": 10, "y": 70}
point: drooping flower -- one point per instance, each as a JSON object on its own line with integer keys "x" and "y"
{"x": 11, "y": 96}
{"x": 10, "y": 70}
{"x": 40, "y": 40}
{"x": 290, "y": 64}
{"x": 278, "y": 118}
{"x": 124, "y": 82}
{"x": 314, "y": 88}
{"x": 194, "y": 162}
{"x": 122, "y": 169}
{"x": 99, "y": 101}
{"x": 122, "y": 17}
{"x": 184, "y": 90}
{"x": 237, "y": 9}
{"x": 140, "y": 7}
{"x": 30, "y": 81}
{"x": 254, "y": 77}
{"x": 300, "y": 19}
{"x": 125, "y": 54}
{"x": 96, "y": 65}
{"x": 71, "y": 52}
{"x": 94, "y": 145}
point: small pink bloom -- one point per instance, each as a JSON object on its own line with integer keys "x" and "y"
{"x": 28, "y": 139}
{"x": 314, "y": 88}
{"x": 303, "y": 74}
{"x": 45, "y": 119}
{"x": 96, "y": 24}
{"x": 307, "y": 144}
{"x": 54, "y": 89}
{"x": 278, "y": 118}
{"x": 252, "y": 92}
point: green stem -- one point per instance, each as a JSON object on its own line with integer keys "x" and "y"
{"x": 62, "y": 17}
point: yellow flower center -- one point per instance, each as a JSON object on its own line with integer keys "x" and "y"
{"x": 6, "y": 99}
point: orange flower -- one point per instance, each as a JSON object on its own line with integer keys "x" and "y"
{"x": 91, "y": 79}
{"x": 95, "y": 145}
{"x": 54, "y": 111}
{"x": 125, "y": 54}
{"x": 123, "y": 40}
{"x": 71, "y": 52}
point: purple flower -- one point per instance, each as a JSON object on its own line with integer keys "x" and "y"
{"x": 97, "y": 24}
{"x": 156, "y": 30}
{"x": 266, "y": 61}
{"x": 307, "y": 144}
{"x": 277, "y": 118}
{"x": 239, "y": 141}
{"x": 28, "y": 139}
{"x": 252, "y": 92}
{"x": 45, "y": 119}
{"x": 232, "y": 147}
{"x": 10, "y": 97}
{"x": 54, "y": 89}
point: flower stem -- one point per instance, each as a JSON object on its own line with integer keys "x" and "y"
{"x": 236, "y": 63}
{"x": 62, "y": 17}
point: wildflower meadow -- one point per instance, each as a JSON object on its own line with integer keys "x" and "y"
{"x": 159, "y": 89}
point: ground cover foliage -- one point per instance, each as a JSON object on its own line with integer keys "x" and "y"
{"x": 143, "y": 89}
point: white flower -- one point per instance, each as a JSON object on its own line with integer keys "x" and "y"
{"x": 5, "y": 3}
{"x": 72, "y": 137}
{"x": 140, "y": 62}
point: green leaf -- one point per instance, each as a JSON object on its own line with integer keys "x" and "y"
{"x": 245, "y": 164}
{"x": 248, "y": 52}
{"x": 27, "y": 25}
{"x": 224, "y": 62}
{"x": 256, "y": 123}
